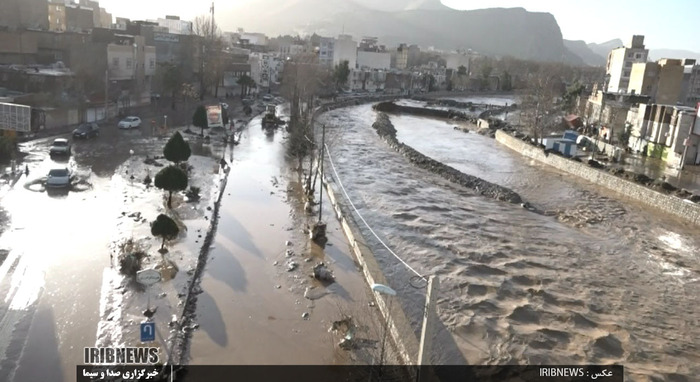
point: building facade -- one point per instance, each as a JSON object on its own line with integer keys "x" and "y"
{"x": 620, "y": 61}
{"x": 690, "y": 87}
{"x": 661, "y": 80}
{"x": 345, "y": 49}
{"x": 22, "y": 14}
{"x": 373, "y": 60}
{"x": 402, "y": 56}
{"x": 663, "y": 131}
{"x": 326, "y": 50}
{"x": 175, "y": 25}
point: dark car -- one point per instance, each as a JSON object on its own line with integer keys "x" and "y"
{"x": 86, "y": 130}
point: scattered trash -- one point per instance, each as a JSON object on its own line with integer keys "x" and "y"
{"x": 278, "y": 286}
{"x": 275, "y": 263}
{"x": 288, "y": 243}
{"x": 371, "y": 304}
{"x": 291, "y": 266}
{"x": 322, "y": 273}
{"x": 305, "y": 315}
{"x": 289, "y": 253}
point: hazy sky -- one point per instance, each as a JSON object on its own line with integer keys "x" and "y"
{"x": 668, "y": 24}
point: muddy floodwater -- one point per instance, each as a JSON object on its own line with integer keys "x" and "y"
{"x": 598, "y": 279}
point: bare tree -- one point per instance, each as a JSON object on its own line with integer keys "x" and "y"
{"x": 538, "y": 99}
{"x": 209, "y": 46}
{"x": 302, "y": 80}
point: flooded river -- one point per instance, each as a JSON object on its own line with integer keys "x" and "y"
{"x": 600, "y": 280}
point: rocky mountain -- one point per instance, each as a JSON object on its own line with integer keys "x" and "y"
{"x": 657, "y": 54}
{"x": 496, "y": 31}
{"x": 604, "y": 48}
{"x": 581, "y": 49}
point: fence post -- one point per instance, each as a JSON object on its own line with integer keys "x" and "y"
{"x": 427, "y": 333}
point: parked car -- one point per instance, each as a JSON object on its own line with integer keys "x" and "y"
{"x": 58, "y": 178}
{"x": 87, "y": 130}
{"x": 60, "y": 146}
{"x": 267, "y": 97}
{"x": 130, "y": 122}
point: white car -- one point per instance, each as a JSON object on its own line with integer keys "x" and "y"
{"x": 60, "y": 146}
{"x": 58, "y": 178}
{"x": 129, "y": 122}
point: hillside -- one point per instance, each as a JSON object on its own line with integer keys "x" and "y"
{"x": 581, "y": 49}
{"x": 603, "y": 49}
{"x": 497, "y": 31}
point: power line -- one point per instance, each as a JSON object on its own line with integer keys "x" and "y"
{"x": 337, "y": 178}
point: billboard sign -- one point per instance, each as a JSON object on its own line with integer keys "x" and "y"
{"x": 214, "y": 117}
{"x": 15, "y": 117}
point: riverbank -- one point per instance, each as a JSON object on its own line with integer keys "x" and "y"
{"x": 681, "y": 208}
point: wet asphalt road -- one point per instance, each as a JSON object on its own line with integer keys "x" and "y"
{"x": 57, "y": 245}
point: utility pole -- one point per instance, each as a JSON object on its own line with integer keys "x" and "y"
{"x": 323, "y": 151}
{"x": 106, "y": 92}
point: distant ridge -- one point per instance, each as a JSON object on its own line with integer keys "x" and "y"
{"x": 496, "y": 31}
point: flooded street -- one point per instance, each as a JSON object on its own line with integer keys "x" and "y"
{"x": 601, "y": 280}
{"x": 58, "y": 246}
{"x": 252, "y": 308}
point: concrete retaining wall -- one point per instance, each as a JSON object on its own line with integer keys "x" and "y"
{"x": 670, "y": 204}
{"x": 398, "y": 324}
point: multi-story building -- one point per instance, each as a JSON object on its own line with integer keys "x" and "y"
{"x": 690, "y": 87}
{"x": 456, "y": 59}
{"x": 291, "y": 50}
{"x": 367, "y": 79}
{"x": 254, "y": 38}
{"x": 326, "y": 50}
{"x": 22, "y": 14}
{"x": 663, "y": 131}
{"x": 57, "y": 16}
{"x": 79, "y": 18}
{"x": 661, "y": 80}
{"x": 373, "y": 60}
{"x": 175, "y": 25}
{"x": 265, "y": 69}
{"x": 345, "y": 49}
{"x": 402, "y": 56}
{"x": 620, "y": 61}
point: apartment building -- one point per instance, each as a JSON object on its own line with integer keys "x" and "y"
{"x": 620, "y": 62}
{"x": 661, "y": 80}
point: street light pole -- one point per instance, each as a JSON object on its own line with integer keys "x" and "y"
{"x": 384, "y": 289}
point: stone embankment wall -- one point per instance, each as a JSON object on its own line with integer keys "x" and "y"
{"x": 390, "y": 107}
{"x": 387, "y": 131}
{"x": 685, "y": 210}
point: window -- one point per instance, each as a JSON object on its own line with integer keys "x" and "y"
{"x": 626, "y": 73}
{"x": 629, "y": 55}
{"x": 638, "y": 55}
{"x": 128, "y": 63}
{"x": 628, "y": 64}
{"x": 115, "y": 62}
{"x": 152, "y": 63}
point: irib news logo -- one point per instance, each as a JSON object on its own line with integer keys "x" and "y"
{"x": 122, "y": 356}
